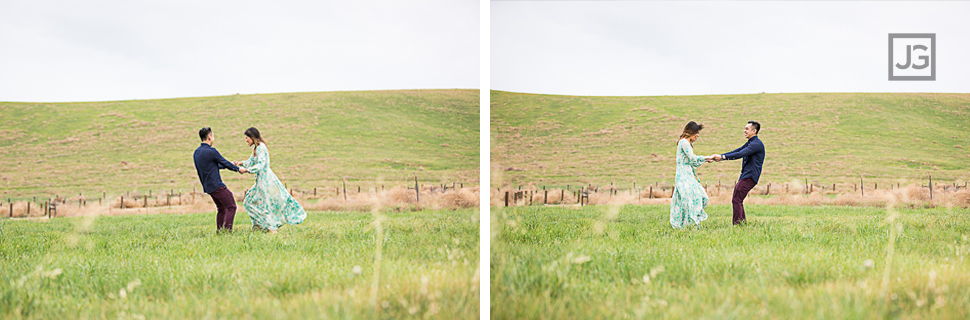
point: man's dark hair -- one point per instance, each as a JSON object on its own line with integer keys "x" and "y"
{"x": 204, "y": 133}
{"x": 756, "y": 125}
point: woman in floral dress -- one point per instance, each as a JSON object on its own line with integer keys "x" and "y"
{"x": 268, "y": 203}
{"x": 689, "y": 198}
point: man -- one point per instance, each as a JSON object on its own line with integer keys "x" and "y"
{"x": 208, "y": 161}
{"x": 753, "y": 153}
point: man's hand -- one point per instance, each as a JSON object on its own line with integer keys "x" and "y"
{"x": 718, "y": 157}
{"x": 243, "y": 170}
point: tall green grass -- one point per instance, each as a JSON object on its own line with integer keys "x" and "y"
{"x": 610, "y": 262}
{"x": 177, "y": 267}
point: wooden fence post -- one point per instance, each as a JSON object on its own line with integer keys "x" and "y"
{"x": 931, "y": 189}
{"x": 506, "y": 198}
{"x": 417, "y": 190}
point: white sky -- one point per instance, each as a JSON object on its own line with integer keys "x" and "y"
{"x": 111, "y": 50}
{"x": 689, "y": 48}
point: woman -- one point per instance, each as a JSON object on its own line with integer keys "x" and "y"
{"x": 268, "y": 203}
{"x": 689, "y": 198}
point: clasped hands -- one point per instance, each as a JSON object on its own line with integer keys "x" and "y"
{"x": 714, "y": 158}
{"x": 241, "y": 170}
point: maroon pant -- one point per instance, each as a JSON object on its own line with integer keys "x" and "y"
{"x": 740, "y": 192}
{"x": 226, "y": 204}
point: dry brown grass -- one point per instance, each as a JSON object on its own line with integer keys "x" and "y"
{"x": 401, "y": 199}
{"x": 398, "y": 198}
{"x": 913, "y": 196}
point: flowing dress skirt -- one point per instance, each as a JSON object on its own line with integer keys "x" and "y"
{"x": 689, "y": 199}
{"x": 268, "y": 203}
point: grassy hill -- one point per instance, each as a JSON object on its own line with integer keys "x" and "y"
{"x": 824, "y": 137}
{"x": 315, "y": 139}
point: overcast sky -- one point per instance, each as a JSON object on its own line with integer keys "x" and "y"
{"x": 689, "y": 48}
{"x": 111, "y": 50}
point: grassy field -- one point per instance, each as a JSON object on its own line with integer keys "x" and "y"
{"x": 315, "y": 139}
{"x": 825, "y": 137}
{"x": 177, "y": 267}
{"x": 610, "y": 262}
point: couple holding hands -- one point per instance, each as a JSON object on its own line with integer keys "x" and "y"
{"x": 689, "y": 199}
{"x": 268, "y": 203}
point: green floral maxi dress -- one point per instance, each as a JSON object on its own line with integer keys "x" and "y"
{"x": 689, "y": 199}
{"x": 268, "y": 203}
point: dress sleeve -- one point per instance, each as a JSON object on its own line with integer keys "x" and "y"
{"x": 692, "y": 159}
{"x": 249, "y": 162}
{"x": 259, "y": 161}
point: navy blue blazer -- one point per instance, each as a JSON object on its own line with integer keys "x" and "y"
{"x": 208, "y": 161}
{"x": 753, "y": 153}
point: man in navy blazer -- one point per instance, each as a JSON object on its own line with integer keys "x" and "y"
{"x": 208, "y": 161}
{"x": 753, "y": 153}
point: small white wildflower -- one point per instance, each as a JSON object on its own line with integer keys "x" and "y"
{"x": 582, "y": 259}
{"x": 53, "y": 273}
{"x": 358, "y": 270}
{"x": 656, "y": 270}
{"x": 134, "y": 284}
{"x": 869, "y": 263}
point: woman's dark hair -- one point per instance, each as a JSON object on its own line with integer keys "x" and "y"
{"x": 692, "y": 128}
{"x": 252, "y": 133}
{"x": 204, "y": 133}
